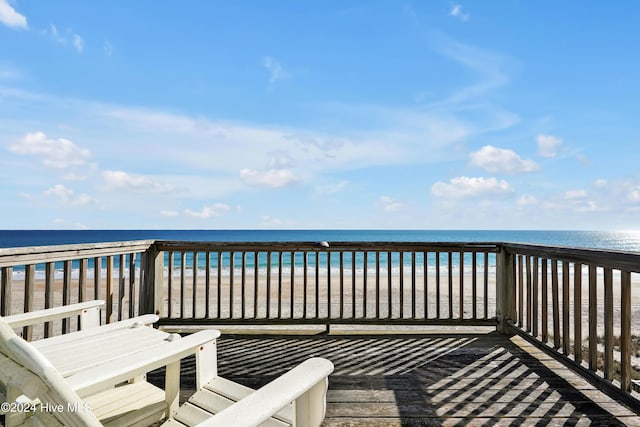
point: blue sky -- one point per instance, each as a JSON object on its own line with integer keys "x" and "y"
{"x": 319, "y": 114}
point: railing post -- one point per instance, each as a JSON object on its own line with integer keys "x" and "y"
{"x": 152, "y": 285}
{"x": 505, "y": 288}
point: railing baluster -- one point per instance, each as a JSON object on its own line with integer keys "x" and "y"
{"x": 486, "y": 285}
{"x": 256, "y": 259}
{"x": 461, "y": 285}
{"x": 305, "y": 286}
{"x": 97, "y": 277}
{"x": 194, "y": 282}
{"x": 232, "y": 268}
{"x": 389, "y": 286}
{"x": 268, "y": 315}
{"x": 474, "y": 285}
{"x": 364, "y": 284}
{"x": 529, "y": 293}
{"x": 353, "y": 285}
{"x": 545, "y": 301}
{"x": 341, "y": 284}
{"x": 169, "y": 284}
{"x": 377, "y": 284}
{"x": 413, "y": 285}
{"x": 243, "y": 285}
{"x": 82, "y": 280}
{"x": 6, "y": 284}
{"x": 556, "y": 304}
{"x": 608, "y": 323}
{"x": 450, "y": 277}
{"x": 109, "y": 290}
{"x": 317, "y": 284}
{"x": 328, "y": 284}
{"x": 29, "y": 286}
{"x": 207, "y": 284}
{"x": 625, "y": 331}
{"x": 520, "y": 292}
{"x": 566, "y": 338}
{"x": 279, "y": 284}
{"x": 577, "y": 312}
{"x": 401, "y": 284}
{"x": 183, "y": 262}
{"x": 425, "y": 275}
{"x": 132, "y": 287}
{"x": 593, "y": 317}
{"x": 219, "y": 287}
{"x": 292, "y": 256}
{"x": 437, "y": 285}
{"x": 121, "y": 285}
{"x": 49, "y": 283}
{"x": 534, "y": 297}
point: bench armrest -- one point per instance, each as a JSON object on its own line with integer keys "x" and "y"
{"x": 49, "y": 314}
{"x": 305, "y": 385}
{"x": 95, "y": 379}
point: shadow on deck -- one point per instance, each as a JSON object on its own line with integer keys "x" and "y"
{"x": 453, "y": 379}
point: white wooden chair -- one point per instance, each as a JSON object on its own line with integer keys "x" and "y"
{"x": 112, "y": 390}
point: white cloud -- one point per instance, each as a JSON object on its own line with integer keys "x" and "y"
{"x": 56, "y": 153}
{"x": 465, "y": 187}
{"x": 65, "y": 38}
{"x": 274, "y": 178}
{"x": 107, "y": 48}
{"x": 499, "y": 160}
{"x": 78, "y": 43}
{"x": 389, "y": 204}
{"x": 458, "y": 12}
{"x": 527, "y": 200}
{"x": 10, "y": 17}
{"x": 276, "y": 71}
{"x": 170, "y": 214}
{"x": 74, "y": 177}
{"x": 634, "y": 195}
{"x": 216, "y": 210}
{"x": 67, "y": 196}
{"x": 574, "y": 194}
{"x": 548, "y": 145}
{"x": 600, "y": 183}
{"x": 117, "y": 180}
{"x": 328, "y": 190}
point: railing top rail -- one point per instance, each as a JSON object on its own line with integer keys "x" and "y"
{"x": 53, "y": 253}
{"x": 332, "y": 246}
{"x": 608, "y": 258}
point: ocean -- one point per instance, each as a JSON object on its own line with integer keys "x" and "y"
{"x": 616, "y": 240}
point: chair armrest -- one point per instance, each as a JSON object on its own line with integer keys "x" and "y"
{"x": 49, "y": 314}
{"x": 95, "y": 379}
{"x": 263, "y": 403}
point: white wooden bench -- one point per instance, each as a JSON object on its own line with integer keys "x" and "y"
{"x": 103, "y": 369}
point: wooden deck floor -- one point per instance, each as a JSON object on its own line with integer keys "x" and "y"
{"x": 461, "y": 379}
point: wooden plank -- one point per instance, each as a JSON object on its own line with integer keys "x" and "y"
{"x": 593, "y": 318}
{"x": 474, "y": 285}
{"x": 608, "y": 324}
{"x": 82, "y": 280}
{"x": 341, "y": 284}
{"x": 365, "y": 274}
{"x": 243, "y": 286}
{"x": 6, "y": 285}
{"x": 534, "y": 297}
{"x": 268, "y": 303}
{"x": 132, "y": 285}
{"x": 169, "y": 284}
{"x": 577, "y": 312}
{"x": 292, "y": 284}
{"x": 183, "y": 285}
{"x": 207, "y": 285}
{"x": 486, "y": 285}
{"x": 555, "y": 303}
{"x": 232, "y": 268}
{"x": 566, "y": 337}
{"x": 109, "y": 290}
{"x": 353, "y": 285}
{"x": 329, "y": 299}
{"x": 305, "y": 285}
{"x": 450, "y": 277}
{"x": 389, "y": 286}
{"x": 520, "y": 292}
{"x": 545, "y": 300}
{"x": 219, "y": 287}
{"x": 280, "y": 285}
{"x": 29, "y": 290}
{"x": 256, "y": 261}
{"x": 97, "y": 277}
{"x": 66, "y": 293}
{"x": 625, "y": 331}
{"x": 194, "y": 284}
{"x": 461, "y": 285}
{"x": 437, "y": 285}
{"x": 529, "y": 293}
{"x": 121, "y": 286}
{"x": 317, "y": 284}
{"x": 49, "y": 284}
{"x": 425, "y": 275}
{"x": 378, "y": 284}
{"x": 413, "y": 285}
{"x": 401, "y": 279}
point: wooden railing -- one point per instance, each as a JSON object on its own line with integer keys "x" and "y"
{"x": 342, "y": 282}
{"x": 577, "y": 303}
{"x": 49, "y": 276}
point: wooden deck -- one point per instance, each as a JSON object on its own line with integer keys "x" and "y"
{"x": 422, "y": 380}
